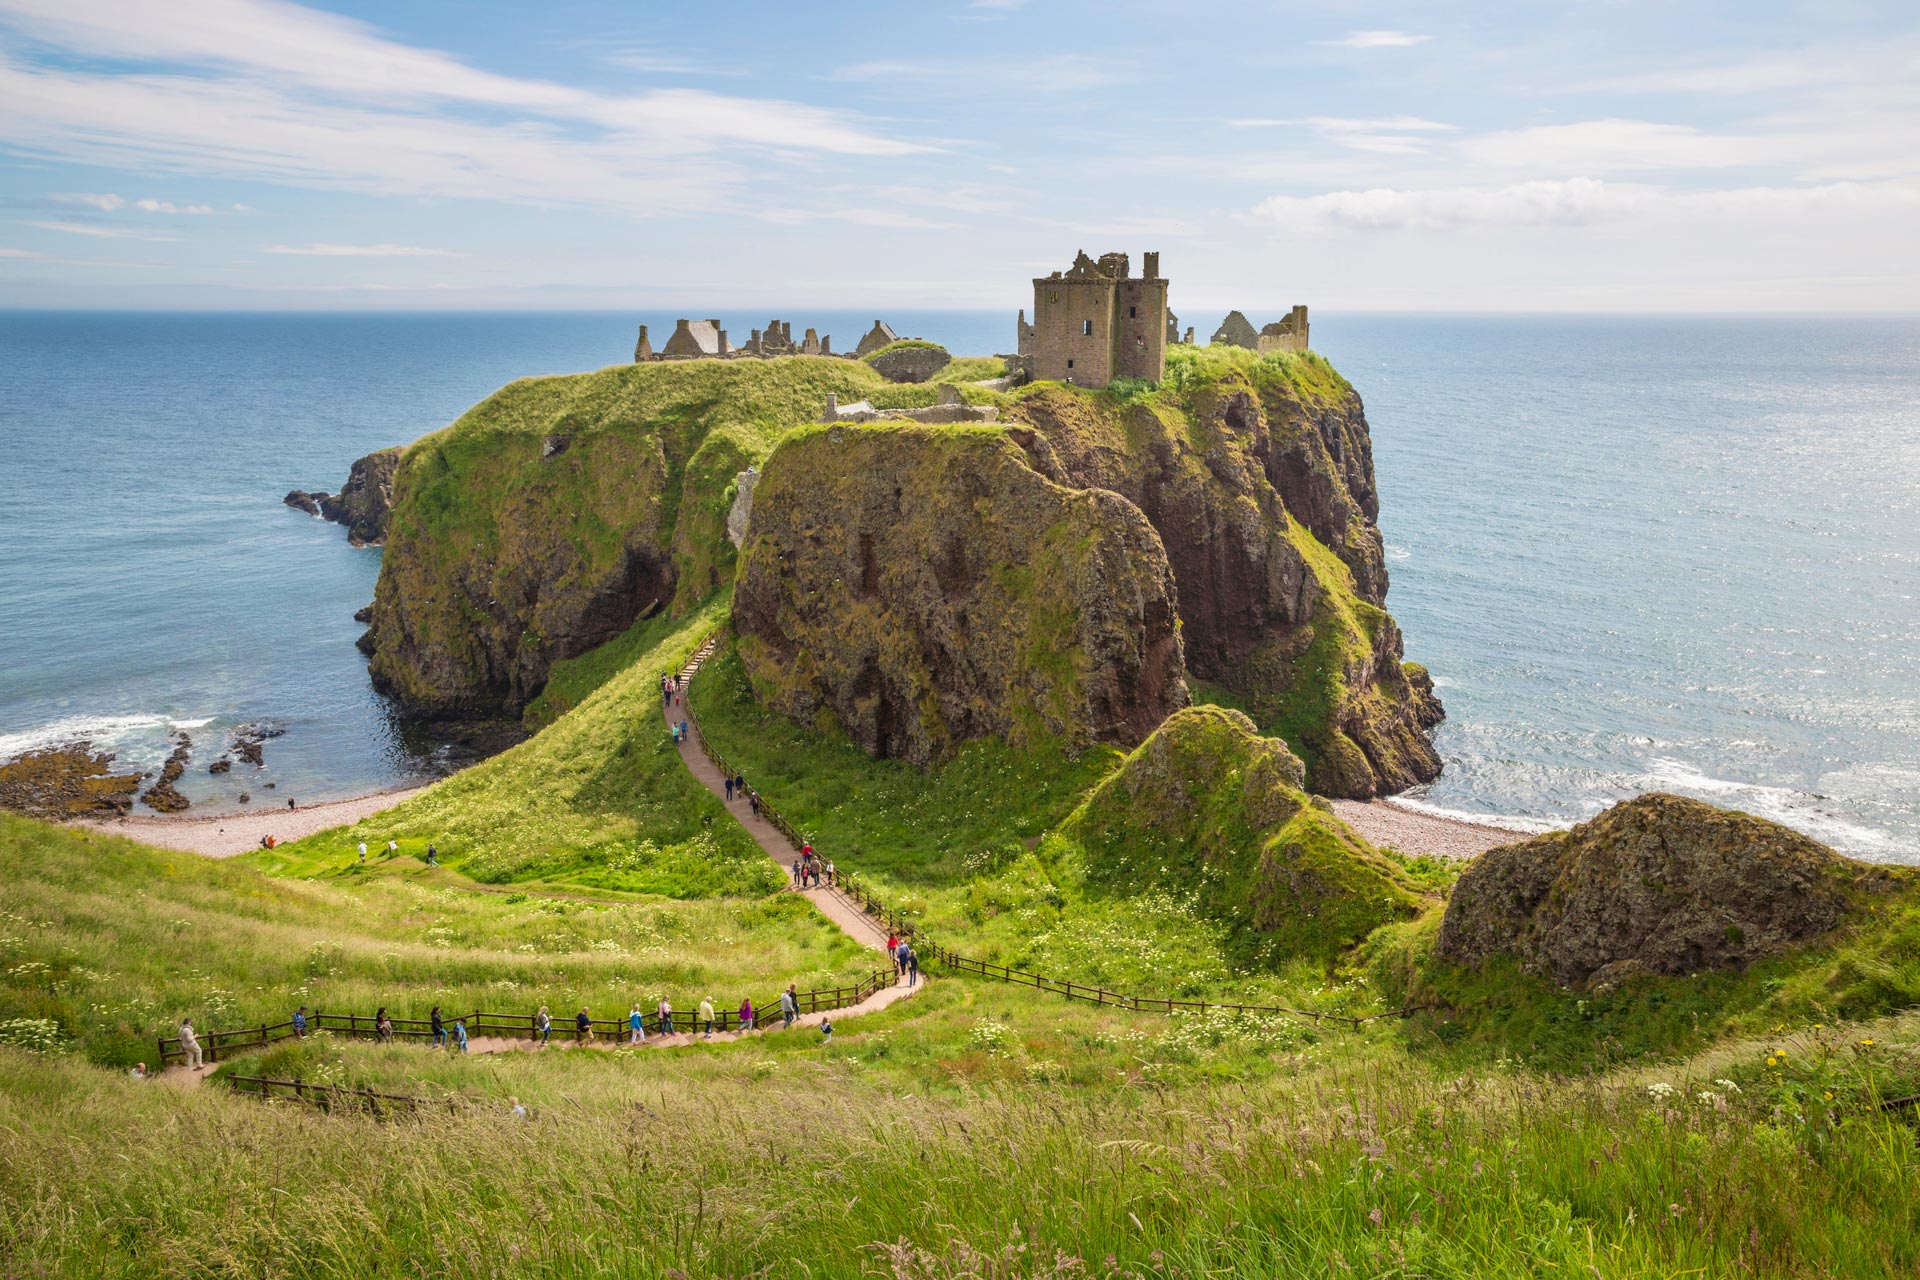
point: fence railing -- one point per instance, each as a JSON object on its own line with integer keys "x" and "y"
{"x": 215, "y": 1045}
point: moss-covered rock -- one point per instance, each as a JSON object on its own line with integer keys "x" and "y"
{"x": 1207, "y": 807}
{"x": 919, "y": 586}
{"x": 1660, "y": 884}
{"x": 1258, "y": 475}
{"x": 559, "y": 510}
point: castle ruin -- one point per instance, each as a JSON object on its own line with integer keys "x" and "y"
{"x": 1286, "y": 334}
{"x": 706, "y": 340}
{"x": 1097, "y": 322}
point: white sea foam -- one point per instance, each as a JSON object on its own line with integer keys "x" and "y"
{"x": 1801, "y": 810}
{"x": 101, "y": 731}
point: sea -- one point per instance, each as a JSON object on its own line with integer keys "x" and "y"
{"x": 1636, "y": 553}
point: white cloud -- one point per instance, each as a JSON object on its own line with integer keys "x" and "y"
{"x": 1051, "y": 73}
{"x": 92, "y": 229}
{"x": 285, "y": 93}
{"x": 104, "y": 203}
{"x": 168, "y": 206}
{"x": 1570, "y": 203}
{"x": 1376, "y": 40}
{"x": 358, "y": 251}
{"x": 1616, "y": 146}
{"x": 1389, "y": 135}
{"x": 20, "y": 254}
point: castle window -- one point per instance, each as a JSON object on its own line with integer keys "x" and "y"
{"x": 1086, "y": 328}
{"x": 1132, "y": 312}
{"x": 1069, "y": 364}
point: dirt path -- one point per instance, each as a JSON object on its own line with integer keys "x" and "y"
{"x": 225, "y": 835}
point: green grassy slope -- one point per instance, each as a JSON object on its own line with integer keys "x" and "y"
{"x": 105, "y": 944}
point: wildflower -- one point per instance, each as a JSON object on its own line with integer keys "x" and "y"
{"x": 1829, "y": 1095}
{"x": 1867, "y": 1043}
{"x": 1660, "y": 1090}
{"x": 1728, "y": 1085}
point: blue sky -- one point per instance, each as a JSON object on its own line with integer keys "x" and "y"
{"x": 1752, "y": 157}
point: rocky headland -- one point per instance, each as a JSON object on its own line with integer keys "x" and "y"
{"x": 362, "y": 504}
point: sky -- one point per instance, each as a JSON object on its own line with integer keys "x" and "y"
{"x": 1752, "y": 157}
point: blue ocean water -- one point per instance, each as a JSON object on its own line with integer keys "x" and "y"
{"x": 1635, "y": 553}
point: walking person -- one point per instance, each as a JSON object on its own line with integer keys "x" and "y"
{"x": 383, "y": 1026}
{"x": 746, "y": 1014}
{"x": 543, "y": 1026}
{"x": 666, "y": 1016}
{"x": 729, "y": 790}
{"x": 893, "y": 952}
{"x": 433, "y": 856}
{"x": 363, "y": 853}
{"x": 826, "y": 1030}
{"x": 460, "y": 1035}
{"x": 393, "y": 848}
{"x": 796, "y": 873}
{"x": 913, "y": 967}
{"x": 439, "y": 1027}
{"x": 582, "y": 1027}
{"x": 706, "y": 1017}
{"x": 189, "y": 1044}
{"x": 830, "y": 879}
{"x": 753, "y": 802}
{"x": 636, "y": 1025}
{"x": 300, "y": 1023}
{"x": 789, "y": 1007}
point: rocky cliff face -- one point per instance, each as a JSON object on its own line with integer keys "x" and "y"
{"x": 560, "y": 510}
{"x": 919, "y": 586}
{"x": 1208, "y": 809}
{"x": 1657, "y": 885}
{"x": 1259, "y": 480}
{"x": 364, "y": 502}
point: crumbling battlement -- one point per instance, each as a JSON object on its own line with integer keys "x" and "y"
{"x": 950, "y": 407}
{"x": 706, "y": 340}
{"x": 1286, "y": 334}
{"x": 1097, "y": 322}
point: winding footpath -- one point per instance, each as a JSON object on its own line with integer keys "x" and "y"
{"x": 830, "y": 902}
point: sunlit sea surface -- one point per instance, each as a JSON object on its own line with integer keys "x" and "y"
{"x": 1636, "y": 553}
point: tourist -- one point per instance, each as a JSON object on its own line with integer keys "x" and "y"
{"x": 189, "y": 1045}
{"x": 753, "y": 802}
{"x": 740, "y": 783}
{"x": 829, "y": 871}
{"x": 582, "y": 1027}
{"x": 913, "y": 967}
{"x": 729, "y": 782}
{"x": 683, "y": 731}
{"x": 439, "y": 1027}
{"x": 746, "y": 1014}
{"x": 789, "y": 1007}
{"x": 363, "y": 853}
{"x": 460, "y": 1035}
{"x": 796, "y": 873}
{"x": 289, "y": 804}
{"x": 543, "y": 1025}
{"x": 636, "y": 1025}
{"x": 300, "y": 1023}
{"x": 666, "y": 1016}
{"x": 393, "y": 847}
{"x": 382, "y": 1026}
{"x": 826, "y": 1030}
{"x": 433, "y": 856}
{"x": 518, "y": 1112}
{"x": 893, "y": 951}
{"x": 139, "y": 1071}
{"x": 706, "y": 1017}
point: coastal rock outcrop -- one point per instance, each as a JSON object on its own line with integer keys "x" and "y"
{"x": 1260, "y": 482}
{"x": 163, "y": 796}
{"x": 919, "y": 586}
{"x": 364, "y": 502}
{"x": 72, "y": 781}
{"x": 1660, "y": 884}
{"x": 1208, "y": 810}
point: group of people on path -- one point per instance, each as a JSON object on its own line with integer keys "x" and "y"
{"x": 808, "y": 869}
{"x": 906, "y": 961}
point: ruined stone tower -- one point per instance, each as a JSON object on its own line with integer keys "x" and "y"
{"x": 1096, "y": 322}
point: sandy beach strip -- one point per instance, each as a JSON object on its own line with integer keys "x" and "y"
{"x": 223, "y": 835}
{"x": 1421, "y": 833}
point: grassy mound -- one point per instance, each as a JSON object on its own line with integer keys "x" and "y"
{"x": 1207, "y": 808}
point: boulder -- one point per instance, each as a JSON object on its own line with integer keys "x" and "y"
{"x": 920, "y": 586}
{"x": 909, "y": 361}
{"x": 301, "y": 500}
{"x": 1660, "y": 884}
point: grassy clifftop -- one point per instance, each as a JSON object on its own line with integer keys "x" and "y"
{"x": 556, "y": 511}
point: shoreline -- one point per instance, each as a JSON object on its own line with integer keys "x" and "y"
{"x": 1415, "y": 833}
{"x": 227, "y": 835}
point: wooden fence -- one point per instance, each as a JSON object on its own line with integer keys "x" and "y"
{"x": 215, "y": 1045}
